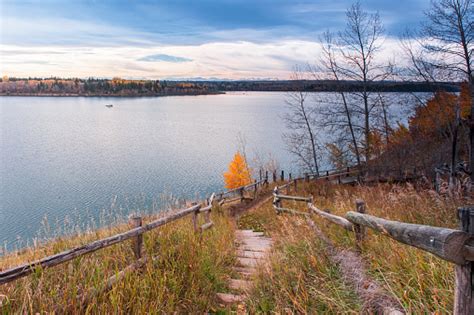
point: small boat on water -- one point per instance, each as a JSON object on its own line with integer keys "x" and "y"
{"x": 109, "y": 105}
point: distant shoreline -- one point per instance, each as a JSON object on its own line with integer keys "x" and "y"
{"x": 104, "y": 95}
{"x": 56, "y": 87}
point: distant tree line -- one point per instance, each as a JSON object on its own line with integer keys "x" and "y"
{"x": 122, "y": 87}
{"x": 100, "y": 87}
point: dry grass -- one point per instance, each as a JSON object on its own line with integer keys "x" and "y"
{"x": 189, "y": 270}
{"x": 303, "y": 280}
{"x": 300, "y": 278}
{"x": 186, "y": 272}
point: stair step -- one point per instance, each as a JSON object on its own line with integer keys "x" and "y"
{"x": 254, "y": 243}
{"x": 250, "y": 254}
{"x": 228, "y": 298}
{"x": 248, "y": 233}
{"x": 248, "y": 270}
{"x": 254, "y": 248}
{"x": 240, "y": 285}
{"x": 254, "y": 240}
{"x": 248, "y": 262}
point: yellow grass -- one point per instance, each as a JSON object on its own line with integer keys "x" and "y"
{"x": 186, "y": 272}
{"x": 303, "y": 280}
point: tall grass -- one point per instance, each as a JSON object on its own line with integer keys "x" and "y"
{"x": 186, "y": 271}
{"x": 299, "y": 278}
{"x": 303, "y": 280}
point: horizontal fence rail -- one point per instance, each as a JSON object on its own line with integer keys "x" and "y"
{"x": 50, "y": 261}
{"x": 332, "y": 218}
{"x": 445, "y": 243}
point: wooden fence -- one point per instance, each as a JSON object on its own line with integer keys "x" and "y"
{"x": 442, "y": 243}
{"x": 455, "y": 246}
{"x": 136, "y": 234}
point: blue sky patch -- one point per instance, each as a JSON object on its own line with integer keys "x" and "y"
{"x": 165, "y": 58}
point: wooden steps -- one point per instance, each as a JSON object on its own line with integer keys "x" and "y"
{"x": 252, "y": 249}
{"x": 227, "y": 299}
{"x": 240, "y": 285}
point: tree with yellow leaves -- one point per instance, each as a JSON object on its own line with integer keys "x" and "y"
{"x": 238, "y": 173}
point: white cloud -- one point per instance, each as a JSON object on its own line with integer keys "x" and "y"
{"x": 233, "y": 60}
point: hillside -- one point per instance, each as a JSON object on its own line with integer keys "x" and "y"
{"x": 183, "y": 271}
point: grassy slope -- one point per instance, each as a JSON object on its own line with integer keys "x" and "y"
{"x": 184, "y": 276}
{"x": 188, "y": 271}
{"x": 302, "y": 278}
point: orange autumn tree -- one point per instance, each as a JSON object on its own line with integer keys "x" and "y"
{"x": 238, "y": 173}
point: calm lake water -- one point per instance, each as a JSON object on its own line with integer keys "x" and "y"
{"x": 74, "y": 163}
{"x": 70, "y": 163}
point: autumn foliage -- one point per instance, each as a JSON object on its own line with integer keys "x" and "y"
{"x": 238, "y": 173}
{"x": 426, "y": 141}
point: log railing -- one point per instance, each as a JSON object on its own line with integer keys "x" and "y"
{"x": 135, "y": 234}
{"x": 455, "y": 246}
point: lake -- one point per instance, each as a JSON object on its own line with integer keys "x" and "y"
{"x": 70, "y": 163}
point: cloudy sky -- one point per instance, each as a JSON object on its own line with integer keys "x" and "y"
{"x": 226, "y": 39}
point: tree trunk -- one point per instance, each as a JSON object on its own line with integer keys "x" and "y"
{"x": 471, "y": 132}
{"x": 351, "y": 128}
{"x": 311, "y": 136}
{"x": 454, "y": 139}
{"x": 367, "y": 128}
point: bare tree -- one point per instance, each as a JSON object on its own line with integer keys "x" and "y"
{"x": 448, "y": 38}
{"x": 359, "y": 44}
{"x": 329, "y": 66}
{"x": 301, "y": 140}
{"x": 351, "y": 56}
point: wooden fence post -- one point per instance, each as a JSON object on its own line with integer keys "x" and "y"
{"x": 282, "y": 177}
{"x": 255, "y": 190}
{"x": 437, "y": 183}
{"x": 137, "y": 242}
{"x": 276, "y": 200}
{"x": 327, "y": 175}
{"x": 274, "y": 176}
{"x": 260, "y": 174}
{"x": 207, "y": 214}
{"x": 289, "y": 177}
{"x": 295, "y": 181}
{"x": 464, "y": 286}
{"x": 348, "y": 170}
{"x": 241, "y": 191}
{"x": 339, "y": 179}
{"x": 360, "y": 230}
{"x": 306, "y": 177}
{"x": 195, "y": 218}
{"x": 266, "y": 178}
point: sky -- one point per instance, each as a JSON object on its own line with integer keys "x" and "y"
{"x": 180, "y": 39}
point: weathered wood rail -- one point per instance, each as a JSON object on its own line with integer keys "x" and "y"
{"x": 135, "y": 234}
{"x": 455, "y": 246}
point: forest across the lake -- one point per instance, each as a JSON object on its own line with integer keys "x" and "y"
{"x": 125, "y": 87}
